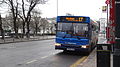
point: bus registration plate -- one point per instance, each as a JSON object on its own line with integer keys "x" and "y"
{"x": 71, "y": 49}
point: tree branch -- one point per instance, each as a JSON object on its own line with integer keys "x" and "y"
{"x": 23, "y": 9}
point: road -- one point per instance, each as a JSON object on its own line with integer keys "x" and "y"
{"x": 35, "y": 54}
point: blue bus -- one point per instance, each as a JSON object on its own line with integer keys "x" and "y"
{"x": 76, "y": 33}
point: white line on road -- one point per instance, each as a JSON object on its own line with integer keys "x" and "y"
{"x": 49, "y": 55}
{"x": 31, "y": 61}
{"x": 41, "y": 58}
{"x": 44, "y": 57}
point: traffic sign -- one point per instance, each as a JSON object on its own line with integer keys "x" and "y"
{"x": 107, "y": 1}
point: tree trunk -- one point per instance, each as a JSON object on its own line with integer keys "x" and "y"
{"x": 43, "y": 31}
{"x": 2, "y": 31}
{"x": 36, "y": 29}
{"x": 28, "y": 31}
{"x": 14, "y": 11}
{"x": 15, "y": 29}
{"x": 51, "y": 30}
{"x": 28, "y": 25}
{"x": 23, "y": 29}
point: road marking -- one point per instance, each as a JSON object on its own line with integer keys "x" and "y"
{"x": 54, "y": 53}
{"x": 49, "y": 55}
{"x": 44, "y": 57}
{"x": 31, "y": 61}
{"x": 78, "y": 62}
{"x": 41, "y": 58}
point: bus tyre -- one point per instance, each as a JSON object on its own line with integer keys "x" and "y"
{"x": 90, "y": 49}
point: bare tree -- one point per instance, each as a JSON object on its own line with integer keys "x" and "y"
{"x": 14, "y": 10}
{"x": 35, "y": 20}
{"x": 27, "y": 14}
{"x": 22, "y": 8}
{"x": 52, "y": 25}
{"x": 23, "y": 23}
{"x": 13, "y": 4}
{"x": 44, "y": 24}
{"x": 9, "y": 21}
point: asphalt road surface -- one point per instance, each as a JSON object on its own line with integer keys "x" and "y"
{"x": 35, "y": 54}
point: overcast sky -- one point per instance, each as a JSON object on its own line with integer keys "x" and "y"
{"x": 92, "y": 8}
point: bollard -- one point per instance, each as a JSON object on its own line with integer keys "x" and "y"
{"x": 103, "y": 56}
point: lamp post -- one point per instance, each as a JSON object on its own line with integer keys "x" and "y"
{"x": 57, "y": 7}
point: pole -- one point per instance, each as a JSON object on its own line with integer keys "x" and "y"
{"x": 57, "y": 7}
{"x": 107, "y": 24}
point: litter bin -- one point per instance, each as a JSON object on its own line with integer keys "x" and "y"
{"x": 103, "y": 57}
{"x": 116, "y": 53}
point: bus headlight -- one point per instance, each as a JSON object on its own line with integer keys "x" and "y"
{"x": 57, "y": 44}
{"x": 85, "y": 46}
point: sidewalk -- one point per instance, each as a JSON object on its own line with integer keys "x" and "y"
{"x": 91, "y": 60}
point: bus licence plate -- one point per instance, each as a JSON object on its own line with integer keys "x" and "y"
{"x": 71, "y": 49}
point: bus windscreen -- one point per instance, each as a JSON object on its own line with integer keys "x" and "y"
{"x": 78, "y": 29}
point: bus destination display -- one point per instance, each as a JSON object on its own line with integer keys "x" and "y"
{"x": 75, "y": 19}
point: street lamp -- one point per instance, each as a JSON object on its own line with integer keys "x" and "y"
{"x": 57, "y": 7}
